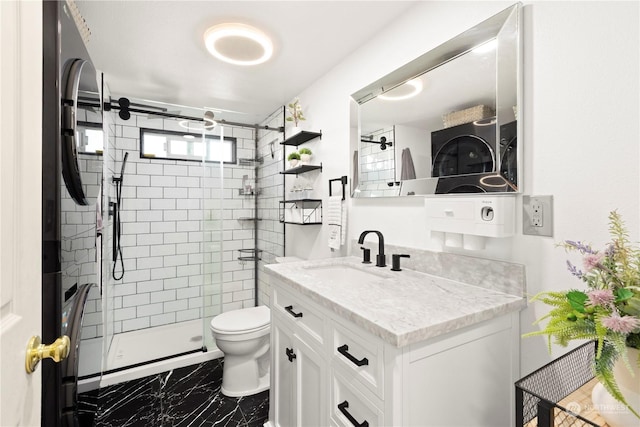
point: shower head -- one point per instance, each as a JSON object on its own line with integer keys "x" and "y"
{"x": 124, "y": 162}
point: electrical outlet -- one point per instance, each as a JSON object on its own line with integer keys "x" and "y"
{"x": 537, "y": 218}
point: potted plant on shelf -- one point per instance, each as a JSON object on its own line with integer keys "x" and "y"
{"x": 305, "y": 155}
{"x": 293, "y": 158}
{"x": 608, "y": 312}
{"x": 295, "y": 116}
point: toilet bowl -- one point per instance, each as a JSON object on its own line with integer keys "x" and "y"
{"x": 243, "y": 336}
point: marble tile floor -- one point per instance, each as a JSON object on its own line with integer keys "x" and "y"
{"x": 184, "y": 397}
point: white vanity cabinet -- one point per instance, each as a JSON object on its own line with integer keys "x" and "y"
{"x": 343, "y": 375}
{"x": 299, "y": 378}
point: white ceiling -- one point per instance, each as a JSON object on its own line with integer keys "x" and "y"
{"x": 154, "y": 49}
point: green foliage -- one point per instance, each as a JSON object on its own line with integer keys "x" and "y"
{"x": 293, "y": 156}
{"x": 305, "y": 151}
{"x": 607, "y": 312}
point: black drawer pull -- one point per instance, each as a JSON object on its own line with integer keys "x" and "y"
{"x": 290, "y": 354}
{"x": 289, "y": 309}
{"x": 344, "y": 350}
{"x": 343, "y": 408}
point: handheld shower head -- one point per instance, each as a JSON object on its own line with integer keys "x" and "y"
{"x": 124, "y": 162}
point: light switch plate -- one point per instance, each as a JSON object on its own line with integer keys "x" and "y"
{"x": 537, "y": 215}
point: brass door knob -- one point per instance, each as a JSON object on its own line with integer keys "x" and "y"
{"x": 36, "y": 351}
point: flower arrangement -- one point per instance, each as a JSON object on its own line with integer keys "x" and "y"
{"x": 608, "y": 311}
{"x": 295, "y": 111}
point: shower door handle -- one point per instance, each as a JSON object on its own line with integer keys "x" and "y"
{"x": 290, "y": 354}
{"x": 36, "y": 351}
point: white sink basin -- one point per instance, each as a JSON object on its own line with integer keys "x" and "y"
{"x": 343, "y": 273}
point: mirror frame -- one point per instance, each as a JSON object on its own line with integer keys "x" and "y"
{"x": 483, "y": 32}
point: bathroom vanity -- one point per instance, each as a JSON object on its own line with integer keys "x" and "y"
{"x": 358, "y": 345}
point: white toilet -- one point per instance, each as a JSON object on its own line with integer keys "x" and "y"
{"x": 243, "y": 336}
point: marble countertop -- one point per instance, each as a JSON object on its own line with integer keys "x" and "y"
{"x": 402, "y": 307}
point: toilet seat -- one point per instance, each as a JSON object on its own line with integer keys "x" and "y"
{"x": 243, "y": 321}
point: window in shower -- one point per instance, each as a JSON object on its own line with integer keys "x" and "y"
{"x": 187, "y": 146}
{"x": 90, "y": 137}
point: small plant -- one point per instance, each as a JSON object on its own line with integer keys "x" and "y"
{"x": 294, "y": 156}
{"x": 305, "y": 151}
{"x": 607, "y": 311}
{"x": 295, "y": 111}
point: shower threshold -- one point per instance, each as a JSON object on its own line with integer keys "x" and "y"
{"x": 144, "y": 352}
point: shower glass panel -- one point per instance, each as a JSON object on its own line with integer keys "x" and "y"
{"x": 230, "y": 193}
{"x": 168, "y": 249}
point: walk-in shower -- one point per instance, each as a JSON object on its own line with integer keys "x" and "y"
{"x": 182, "y": 234}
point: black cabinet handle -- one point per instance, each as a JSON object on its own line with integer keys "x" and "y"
{"x": 344, "y": 350}
{"x": 343, "y": 408}
{"x": 290, "y": 354}
{"x": 289, "y": 309}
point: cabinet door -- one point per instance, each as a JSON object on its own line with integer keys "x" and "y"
{"x": 311, "y": 386}
{"x": 282, "y": 373}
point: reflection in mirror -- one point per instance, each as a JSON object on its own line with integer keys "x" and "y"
{"x": 451, "y": 115}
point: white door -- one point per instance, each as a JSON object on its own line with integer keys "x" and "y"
{"x": 20, "y": 201}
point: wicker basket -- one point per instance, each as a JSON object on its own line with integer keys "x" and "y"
{"x": 468, "y": 115}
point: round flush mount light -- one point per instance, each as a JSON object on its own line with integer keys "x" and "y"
{"x": 238, "y": 44}
{"x": 206, "y": 124}
{"x": 404, "y": 91}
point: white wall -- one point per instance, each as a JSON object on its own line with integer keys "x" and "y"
{"x": 580, "y": 116}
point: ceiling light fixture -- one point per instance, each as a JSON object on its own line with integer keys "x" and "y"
{"x": 404, "y": 91}
{"x": 206, "y": 124}
{"x": 238, "y": 44}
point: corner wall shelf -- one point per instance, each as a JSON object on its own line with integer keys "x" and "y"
{"x": 301, "y": 169}
{"x": 246, "y": 218}
{"x": 301, "y": 138}
{"x": 254, "y": 254}
{"x": 300, "y": 212}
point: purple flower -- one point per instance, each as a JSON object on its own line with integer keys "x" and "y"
{"x": 622, "y": 324}
{"x": 573, "y": 270}
{"x": 600, "y": 297}
{"x": 591, "y": 261}
{"x": 583, "y": 248}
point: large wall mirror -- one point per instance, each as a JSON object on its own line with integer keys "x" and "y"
{"x": 445, "y": 122}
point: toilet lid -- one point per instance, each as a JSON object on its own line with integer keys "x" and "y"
{"x": 243, "y": 320}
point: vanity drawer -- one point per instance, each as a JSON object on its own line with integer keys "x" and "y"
{"x": 300, "y": 312}
{"x": 360, "y": 355}
{"x": 349, "y": 406}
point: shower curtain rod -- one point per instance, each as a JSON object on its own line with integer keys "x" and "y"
{"x": 111, "y": 105}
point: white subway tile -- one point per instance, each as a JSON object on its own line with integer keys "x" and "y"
{"x": 163, "y": 204}
{"x": 176, "y": 237}
{"x": 176, "y": 283}
{"x": 149, "y": 169}
{"x": 150, "y": 263}
{"x": 160, "y": 250}
{"x": 163, "y": 227}
{"x": 163, "y": 181}
{"x": 163, "y": 273}
{"x": 184, "y": 315}
{"x": 181, "y": 304}
{"x": 147, "y": 216}
{"x": 174, "y": 260}
{"x": 149, "y": 286}
{"x": 149, "y": 309}
{"x": 177, "y": 215}
{"x": 176, "y": 193}
{"x": 149, "y": 239}
{"x": 176, "y": 170}
{"x": 163, "y": 296}
{"x": 124, "y": 313}
{"x": 135, "y": 324}
{"x": 135, "y": 300}
{"x": 163, "y": 319}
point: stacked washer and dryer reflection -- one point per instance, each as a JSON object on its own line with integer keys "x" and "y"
{"x": 466, "y": 158}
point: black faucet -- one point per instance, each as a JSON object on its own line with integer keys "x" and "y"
{"x": 380, "y": 258}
